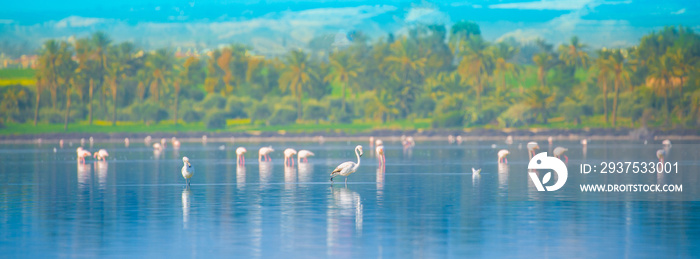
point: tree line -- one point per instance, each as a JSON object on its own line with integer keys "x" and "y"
{"x": 454, "y": 77}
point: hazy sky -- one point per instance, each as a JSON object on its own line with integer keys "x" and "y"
{"x": 275, "y": 25}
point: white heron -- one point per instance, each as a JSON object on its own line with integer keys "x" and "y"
{"x": 240, "y": 155}
{"x": 559, "y": 151}
{"x": 187, "y": 170}
{"x": 304, "y": 154}
{"x": 531, "y": 146}
{"x": 289, "y": 156}
{"x": 101, "y": 154}
{"x": 265, "y": 152}
{"x": 502, "y": 154}
{"x": 347, "y": 168}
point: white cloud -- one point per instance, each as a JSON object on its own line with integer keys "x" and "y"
{"x": 681, "y": 11}
{"x": 77, "y": 21}
{"x": 561, "y": 28}
{"x": 544, "y": 5}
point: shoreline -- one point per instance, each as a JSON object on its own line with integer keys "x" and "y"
{"x": 388, "y": 135}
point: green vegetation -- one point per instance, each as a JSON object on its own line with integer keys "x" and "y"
{"x": 421, "y": 81}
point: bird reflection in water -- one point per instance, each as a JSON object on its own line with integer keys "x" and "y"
{"x": 380, "y": 183}
{"x": 265, "y": 172}
{"x": 240, "y": 175}
{"x": 476, "y": 177}
{"x": 290, "y": 176}
{"x": 101, "y": 170}
{"x": 503, "y": 176}
{"x": 186, "y": 207}
{"x": 84, "y": 174}
{"x": 305, "y": 171}
{"x": 343, "y": 206}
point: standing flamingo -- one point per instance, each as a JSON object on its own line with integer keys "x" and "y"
{"x": 126, "y": 142}
{"x": 660, "y": 154}
{"x": 459, "y": 139}
{"x": 509, "y": 140}
{"x": 187, "y": 170}
{"x": 265, "y": 152}
{"x": 176, "y": 143}
{"x": 371, "y": 141}
{"x": 378, "y": 142}
{"x": 240, "y": 158}
{"x": 380, "y": 155}
{"x": 502, "y": 154}
{"x": 82, "y": 153}
{"x": 347, "y": 168}
{"x": 101, "y": 154}
{"x": 289, "y": 156}
{"x": 559, "y": 151}
{"x": 451, "y": 139}
{"x": 147, "y": 140}
{"x": 304, "y": 154}
{"x": 531, "y": 146}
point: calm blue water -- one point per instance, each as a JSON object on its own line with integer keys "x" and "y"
{"x": 427, "y": 204}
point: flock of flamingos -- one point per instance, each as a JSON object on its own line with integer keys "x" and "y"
{"x": 344, "y": 169}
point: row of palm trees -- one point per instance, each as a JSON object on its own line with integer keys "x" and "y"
{"x": 419, "y": 74}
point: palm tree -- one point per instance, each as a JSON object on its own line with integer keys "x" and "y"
{"x": 661, "y": 77}
{"x": 185, "y": 79}
{"x": 117, "y": 69}
{"x": 684, "y": 65}
{"x": 224, "y": 62}
{"x": 66, "y": 74}
{"x": 297, "y": 74}
{"x": 604, "y": 69}
{"x": 503, "y": 53}
{"x": 622, "y": 77}
{"x": 543, "y": 61}
{"x": 48, "y": 67}
{"x": 40, "y": 83}
{"x": 540, "y": 100}
{"x": 405, "y": 62}
{"x": 382, "y": 106}
{"x": 100, "y": 42}
{"x": 573, "y": 54}
{"x": 344, "y": 68}
{"x": 160, "y": 65}
{"x": 476, "y": 65}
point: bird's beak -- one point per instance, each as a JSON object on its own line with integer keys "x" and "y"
{"x": 188, "y": 164}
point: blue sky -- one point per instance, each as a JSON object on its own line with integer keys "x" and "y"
{"x": 273, "y": 25}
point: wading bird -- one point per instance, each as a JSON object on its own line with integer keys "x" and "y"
{"x": 240, "y": 158}
{"x": 371, "y": 141}
{"x": 126, "y": 142}
{"x": 101, "y": 154}
{"x": 82, "y": 153}
{"x": 187, "y": 170}
{"x": 660, "y": 154}
{"x": 289, "y": 156}
{"x": 502, "y": 154}
{"x": 304, "y": 154}
{"x": 347, "y": 168}
{"x": 176, "y": 143}
{"x": 476, "y": 171}
{"x": 559, "y": 151}
{"x": 265, "y": 152}
{"x": 380, "y": 155}
{"x": 509, "y": 140}
{"x": 531, "y": 146}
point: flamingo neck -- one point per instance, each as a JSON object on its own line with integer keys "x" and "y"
{"x": 358, "y": 159}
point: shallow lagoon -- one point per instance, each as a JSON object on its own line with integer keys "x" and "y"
{"x": 426, "y": 204}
